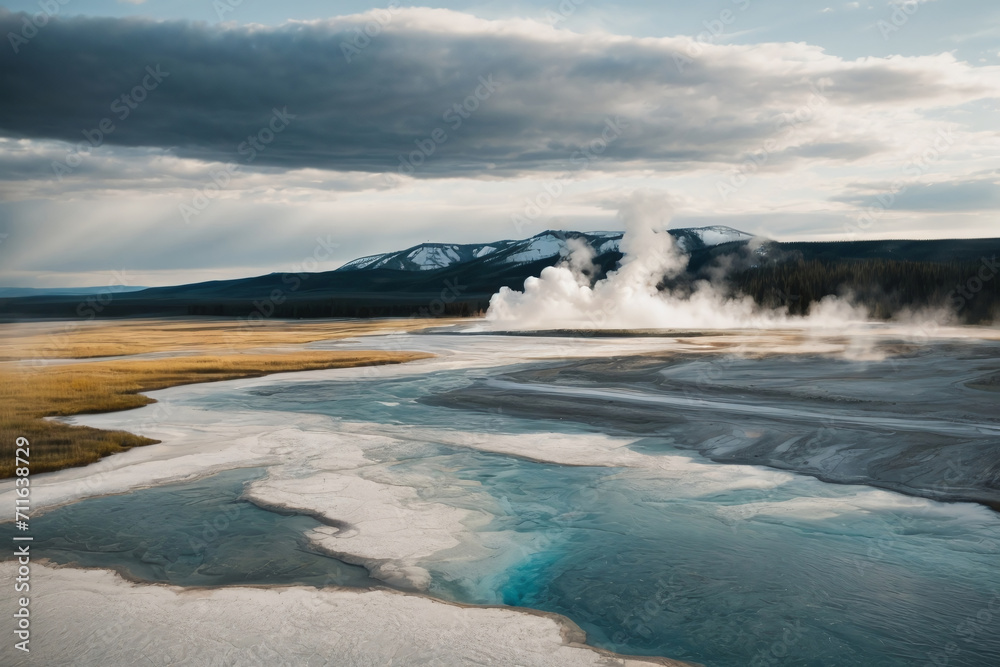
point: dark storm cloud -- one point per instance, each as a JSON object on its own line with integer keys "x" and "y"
{"x": 543, "y": 95}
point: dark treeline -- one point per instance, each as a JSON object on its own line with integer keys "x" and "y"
{"x": 316, "y": 308}
{"x": 886, "y": 277}
{"x": 250, "y": 309}
{"x": 886, "y": 287}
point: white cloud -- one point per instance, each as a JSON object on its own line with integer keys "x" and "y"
{"x": 808, "y": 133}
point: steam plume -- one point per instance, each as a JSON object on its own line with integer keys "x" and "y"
{"x": 563, "y": 296}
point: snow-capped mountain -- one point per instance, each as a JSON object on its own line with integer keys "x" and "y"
{"x": 430, "y": 256}
{"x": 716, "y": 234}
{"x": 459, "y": 280}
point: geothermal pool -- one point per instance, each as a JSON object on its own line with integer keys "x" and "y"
{"x": 452, "y": 478}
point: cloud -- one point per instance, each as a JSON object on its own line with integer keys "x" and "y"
{"x": 530, "y": 97}
{"x": 812, "y": 135}
{"x": 980, "y": 194}
{"x": 26, "y": 173}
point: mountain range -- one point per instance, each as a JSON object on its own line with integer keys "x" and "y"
{"x": 547, "y": 245}
{"x": 442, "y": 279}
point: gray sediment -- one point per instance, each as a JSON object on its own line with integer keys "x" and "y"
{"x": 924, "y": 422}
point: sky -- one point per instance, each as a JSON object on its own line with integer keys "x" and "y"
{"x": 161, "y": 142}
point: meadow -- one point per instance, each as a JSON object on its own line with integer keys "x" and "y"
{"x": 37, "y": 380}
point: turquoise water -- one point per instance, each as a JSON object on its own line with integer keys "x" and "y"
{"x": 193, "y": 534}
{"x": 646, "y": 563}
{"x": 661, "y": 578}
{"x": 644, "y": 573}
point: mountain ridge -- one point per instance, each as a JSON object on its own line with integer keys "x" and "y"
{"x": 886, "y": 275}
{"x": 550, "y": 243}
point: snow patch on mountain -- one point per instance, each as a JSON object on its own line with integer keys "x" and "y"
{"x": 430, "y": 256}
{"x": 482, "y": 252}
{"x": 717, "y": 235}
{"x": 434, "y": 257}
{"x": 538, "y": 247}
{"x": 361, "y": 262}
{"x": 611, "y": 245}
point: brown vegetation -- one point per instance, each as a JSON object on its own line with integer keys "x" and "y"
{"x": 89, "y": 339}
{"x": 29, "y": 391}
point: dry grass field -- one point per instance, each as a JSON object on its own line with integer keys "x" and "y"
{"x": 29, "y": 392}
{"x": 88, "y": 339}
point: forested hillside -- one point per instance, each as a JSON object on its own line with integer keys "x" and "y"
{"x": 969, "y": 289}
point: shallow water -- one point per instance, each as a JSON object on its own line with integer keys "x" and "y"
{"x": 192, "y": 534}
{"x": 719, "y": 564}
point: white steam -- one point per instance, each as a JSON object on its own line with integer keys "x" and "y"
{"x": 562, "y": 297}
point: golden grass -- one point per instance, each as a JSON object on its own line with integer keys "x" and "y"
{"x": 89, "y": 339}
{"x": 29, "y": 393}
